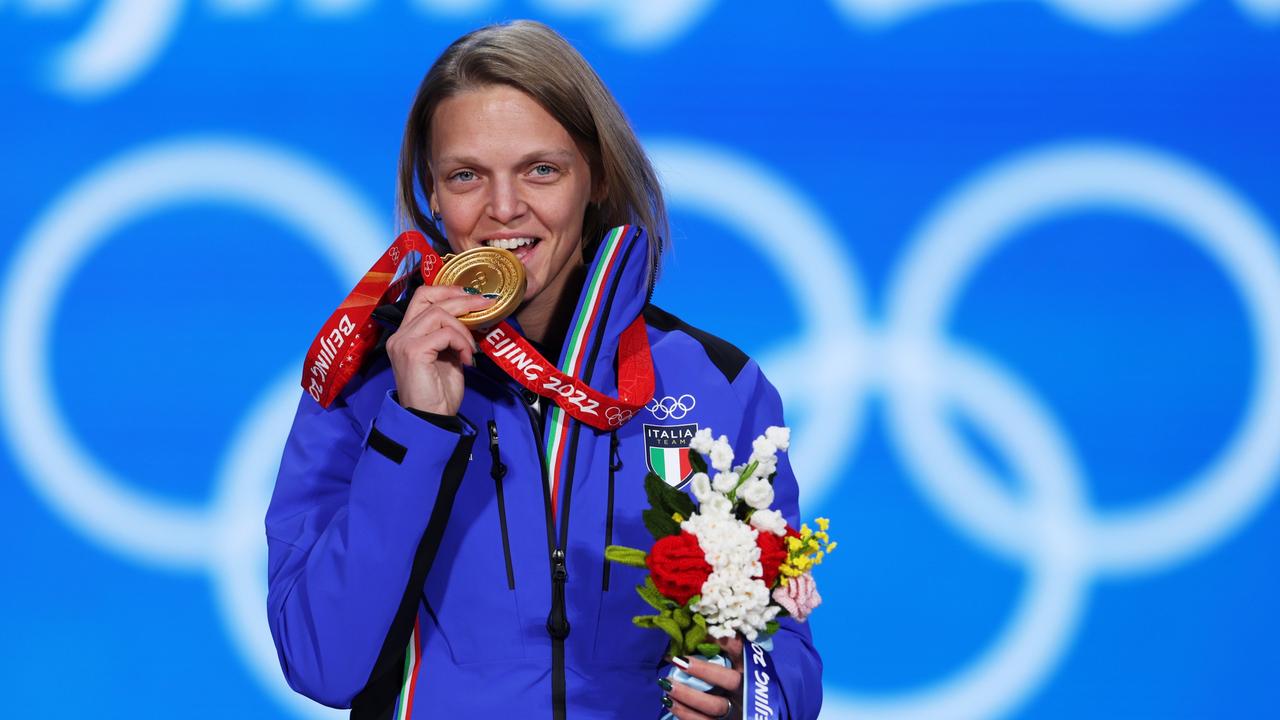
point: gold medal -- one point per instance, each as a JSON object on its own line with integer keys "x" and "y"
{"x": 492, "y": 271}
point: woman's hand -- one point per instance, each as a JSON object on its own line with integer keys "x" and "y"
{"x": 428, "y": 351}
{"x": 690, "y": 704}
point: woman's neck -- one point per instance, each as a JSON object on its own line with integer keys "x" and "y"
{"x": 546, "y": 319}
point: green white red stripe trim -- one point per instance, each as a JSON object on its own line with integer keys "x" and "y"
{"x": 592, "y": 308}
{"x": 412, "y": 658}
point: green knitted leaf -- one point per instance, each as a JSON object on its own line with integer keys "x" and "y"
{"x": 667, "y": 499}
{"x": 644, "y": 621}
{"x": 708, "y": 649}
{"x": 669, "y": 627}
{"x": 683, "y": 617}
{"x": 625, "y": 556}
{"x": 659, "y": 523}
{"x": 650, "y": 594}
{"x": 674, "y": 648}
{"x": 696, "y": 462}
{"x": 694, "y": 636}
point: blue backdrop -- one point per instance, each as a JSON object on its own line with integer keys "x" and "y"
{"x": 1014, "y": 266}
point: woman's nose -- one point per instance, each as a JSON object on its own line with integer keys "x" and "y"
{"x": 505, "y": 200}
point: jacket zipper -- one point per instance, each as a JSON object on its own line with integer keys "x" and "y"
{"x": 498, "y": 470}
{"x": 557, "y": 619}
{"x": 615, "y": 464}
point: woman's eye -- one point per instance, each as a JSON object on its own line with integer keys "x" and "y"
{"x": 544, "y": 170}
{"x": 463, "y": 175}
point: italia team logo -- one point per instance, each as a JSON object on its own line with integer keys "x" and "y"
{"x": 667, "y": 449}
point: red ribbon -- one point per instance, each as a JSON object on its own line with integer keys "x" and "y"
{"x": 350, "y": 332}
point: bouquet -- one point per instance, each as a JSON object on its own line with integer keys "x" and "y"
{"x": 724, "y": 562}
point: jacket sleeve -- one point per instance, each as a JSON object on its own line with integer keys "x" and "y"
{"x": 795, "y": 659}
{"x": 351, "y": 511}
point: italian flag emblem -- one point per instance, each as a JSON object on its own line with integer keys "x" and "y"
{"x": 667, "y": 448}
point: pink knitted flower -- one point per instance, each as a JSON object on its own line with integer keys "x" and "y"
{"x": 799, "y": 597}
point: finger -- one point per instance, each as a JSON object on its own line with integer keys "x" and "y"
{"x": 456, "y": 299}
{"x": 433, "y": 319}
{"x": 432, "y": 346}
{"x": 722, "y": 677}
{"x": 684, "y": 712}
{"x": 705, "y": 703}
{"x": 463, "y": 304}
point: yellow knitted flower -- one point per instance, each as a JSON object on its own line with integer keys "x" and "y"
{"x": 807, "y": 550}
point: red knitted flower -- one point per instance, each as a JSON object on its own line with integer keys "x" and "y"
{"x": 678, "y": 566}
{"x": 773, "y": 552}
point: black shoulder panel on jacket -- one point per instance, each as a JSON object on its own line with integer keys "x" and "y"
{"x": 724, "y": 355}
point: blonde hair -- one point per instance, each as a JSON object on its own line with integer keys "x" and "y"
{"x": 536, "y": 60}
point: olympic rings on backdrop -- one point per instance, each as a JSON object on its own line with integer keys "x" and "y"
{"x": 124, "y": 40}
{"x": 921, "y": 372}
{"x": 837, "y": 360}
{"x": 224, "y": 538}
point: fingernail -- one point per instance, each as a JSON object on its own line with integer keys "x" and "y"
{"x": 666, "y": 701}
{"x": 491, "y": 296}
{"x": 680, "y": 662}
{"x": 665, "y": 684}
{"x": 470, "y": 290}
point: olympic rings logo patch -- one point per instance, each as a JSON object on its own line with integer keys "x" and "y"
{"x": 671, "y": 408}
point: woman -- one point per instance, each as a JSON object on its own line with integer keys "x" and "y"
{"x": 428, "y": 557}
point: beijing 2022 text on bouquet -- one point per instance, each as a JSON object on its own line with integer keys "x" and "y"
{"x": 724, "y": 562}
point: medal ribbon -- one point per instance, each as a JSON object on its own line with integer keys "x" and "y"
{"x": 761, "y": 693}
{"x": 350, "y": 332}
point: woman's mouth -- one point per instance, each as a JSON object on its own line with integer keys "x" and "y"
{"x": 520, "y": 246}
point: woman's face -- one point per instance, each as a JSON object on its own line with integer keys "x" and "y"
{"x": 505, "y": 173}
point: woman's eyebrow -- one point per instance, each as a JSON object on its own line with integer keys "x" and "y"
{"x": 559, "y": 154}
{"x": 553, "y": 154}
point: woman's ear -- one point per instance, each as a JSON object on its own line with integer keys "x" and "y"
{"x": 599, "y": 184}
{"x": 427, "y": 181}
{"x": 599, "y": 189}
{"x": 433, "y": 203}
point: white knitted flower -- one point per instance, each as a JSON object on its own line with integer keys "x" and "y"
{"x": 769, "y": 521}
{"x": 701, "y": 486}
{"x": 762, "y": 448}
{"x": 724, "y": 482}
{"x": 734, "y": 599}
{"x": 715, "y": 502}
{"x": 701, "y": 442}
{"x": 757, "y": 493}
{"x": 779, "y": 436}
{"x": 765, "y": 468}
{"x": 721, "y": 454}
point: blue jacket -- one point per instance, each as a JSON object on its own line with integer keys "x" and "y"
{"x": 418, "y": 559}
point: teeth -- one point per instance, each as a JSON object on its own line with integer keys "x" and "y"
{"x": 511, "y": 243}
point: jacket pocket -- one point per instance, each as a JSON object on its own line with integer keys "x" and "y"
{"x": 498, "y": 471}
{"x": 471, "y": 585}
